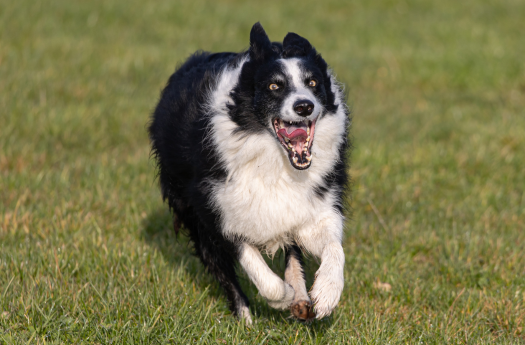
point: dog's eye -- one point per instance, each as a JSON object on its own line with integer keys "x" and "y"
{"x": 273, "y": 87}
{"x": 312, "y": 83}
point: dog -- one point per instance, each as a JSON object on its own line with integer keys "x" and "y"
{"x": 251, "y": 153}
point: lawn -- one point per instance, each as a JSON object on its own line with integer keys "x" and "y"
{"x": 435, "y": 231}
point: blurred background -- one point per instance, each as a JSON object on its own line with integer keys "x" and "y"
{"x": 435, "y": 232}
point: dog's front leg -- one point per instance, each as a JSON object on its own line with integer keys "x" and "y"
{"x": 278, "y": 293}
{"x": 324, "y": 240}
{"x": 329, "y": 280}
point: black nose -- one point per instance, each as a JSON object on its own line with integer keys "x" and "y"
{"x": 303, "y": 107}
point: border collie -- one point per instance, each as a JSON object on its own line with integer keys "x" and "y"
{"x": 250, "y": 149}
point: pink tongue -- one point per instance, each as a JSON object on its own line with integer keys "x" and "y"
{"x": 296, "y": 133}
{"x": 297, "y": 137}
{"x": 298, "y": 144}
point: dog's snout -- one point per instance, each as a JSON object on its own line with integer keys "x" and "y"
{"x": 303, "y": 107}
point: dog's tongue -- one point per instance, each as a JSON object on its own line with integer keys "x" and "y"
{"x": 296, "y": 133}
{"x": 297, "y": 138}
{"x": 292, "y": 131}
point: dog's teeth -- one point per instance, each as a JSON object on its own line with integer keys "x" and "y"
{"x": 308, "y": 158}
{"x": 286, "y": 139}
{"x": 308, "y": 132}
{"x": 294, "y": 159}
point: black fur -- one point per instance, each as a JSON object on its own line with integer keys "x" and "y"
{"x": 178, "y": 130}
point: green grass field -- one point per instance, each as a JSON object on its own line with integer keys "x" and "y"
{"x": 437, "y": 89}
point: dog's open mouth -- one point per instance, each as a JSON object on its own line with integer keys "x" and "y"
{"x": 297, "y": 139}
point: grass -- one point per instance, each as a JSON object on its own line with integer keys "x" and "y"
{"x": 435, "y": 242}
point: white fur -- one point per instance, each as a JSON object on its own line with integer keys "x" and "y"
{"x": 329, "y": 280}
{"x": 294, "y": 276}
{"x": 323, "y": 240}
{"x": 269, "y": 203}
{"x": 278, "y": 293}
{"x": 244, "y": 313}
{"x": 301, "y": 92}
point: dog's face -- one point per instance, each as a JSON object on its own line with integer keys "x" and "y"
{"x": 290, "y": 92}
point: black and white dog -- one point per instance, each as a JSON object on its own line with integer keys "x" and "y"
{"x": 250, "y": 149}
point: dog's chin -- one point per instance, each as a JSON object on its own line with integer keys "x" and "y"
{"x": 297, "y": 139}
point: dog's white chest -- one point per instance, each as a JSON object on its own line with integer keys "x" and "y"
{"x": 264, "y": 200}
{"x": 266, "y": 210}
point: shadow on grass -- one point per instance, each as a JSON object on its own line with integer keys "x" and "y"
{"x": 178, "y": 250}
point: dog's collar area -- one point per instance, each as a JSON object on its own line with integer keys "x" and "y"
{"x": 296, "y": 138}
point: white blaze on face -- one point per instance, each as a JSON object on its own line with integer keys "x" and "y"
{"x": 294, "y": 70}
{"x": 301, "y": 91}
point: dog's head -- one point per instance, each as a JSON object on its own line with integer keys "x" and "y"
{"x": 288, "y": 88}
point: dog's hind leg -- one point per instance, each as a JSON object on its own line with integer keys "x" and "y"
{"x": 301, "y": 307}
{"x": 218, "y": 256}
{"x": 278, "y": 293}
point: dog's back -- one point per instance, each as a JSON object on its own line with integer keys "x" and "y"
{"x": 178, "y": 128}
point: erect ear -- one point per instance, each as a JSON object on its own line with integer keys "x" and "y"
{"x": 295, "y": 45}
{"x": 260, "y": 45}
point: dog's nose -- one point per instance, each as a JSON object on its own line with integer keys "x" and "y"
{"x": 303, "y": 107}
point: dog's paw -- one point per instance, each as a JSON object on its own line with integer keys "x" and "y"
{"x": 286, "y": 300}
{"x": 302, "y": 310}
{"x": 325, "y": 293}
{"x": 244, "y": 314}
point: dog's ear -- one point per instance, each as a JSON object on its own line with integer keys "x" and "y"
{"x": 295, "y": 45}
{"x": 260, "y": 45}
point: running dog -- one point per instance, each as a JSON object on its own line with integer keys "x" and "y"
{"x": 251, "y": 152}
